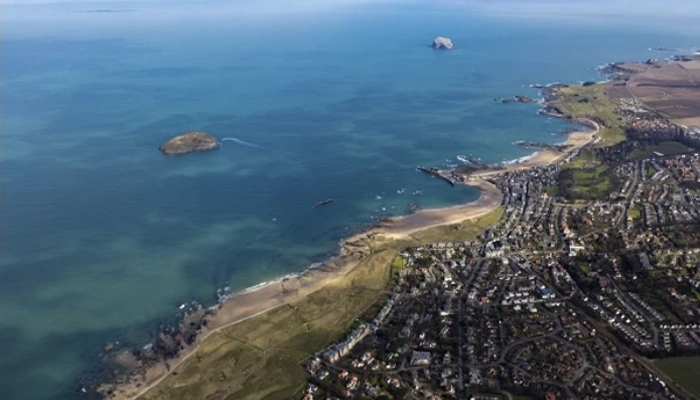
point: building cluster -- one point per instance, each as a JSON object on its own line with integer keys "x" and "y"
{"x": 555, "y": 300}
{"x": 459, "y": 325}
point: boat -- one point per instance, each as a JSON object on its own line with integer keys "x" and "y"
{"x": 324, "y": 203}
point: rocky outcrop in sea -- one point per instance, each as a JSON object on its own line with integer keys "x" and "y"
{"x": 442, "y": 43}
{"x": 189, "y": 142}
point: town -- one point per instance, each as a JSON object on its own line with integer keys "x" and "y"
{"x": 571, "y": 295}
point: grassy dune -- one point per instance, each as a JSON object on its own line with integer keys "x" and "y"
{"x": 262, "y": 358}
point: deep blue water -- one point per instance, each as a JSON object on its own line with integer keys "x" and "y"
{"x": 102, "y": 235}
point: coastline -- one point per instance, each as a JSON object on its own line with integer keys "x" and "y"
{"x": 574, "y": 142}
{"x": 267, "y": 296}
{"x": 262, "y": 298}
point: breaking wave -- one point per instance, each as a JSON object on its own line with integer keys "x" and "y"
{"x": 521, "y": 159}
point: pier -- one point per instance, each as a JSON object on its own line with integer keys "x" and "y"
{"x": 438, "y": 174}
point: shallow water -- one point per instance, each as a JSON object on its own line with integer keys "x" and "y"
{"x": 103, "y": 236}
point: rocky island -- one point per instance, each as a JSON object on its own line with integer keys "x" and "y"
{"x": 189, "y": 142}
{"x": 442, "y": 43}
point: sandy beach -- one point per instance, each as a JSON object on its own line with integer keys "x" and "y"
{"x": 354, "y": 249}
{"x": 574, "y": 141}
{"x": 489, "y": 200}
{"x": 250, "y": 303}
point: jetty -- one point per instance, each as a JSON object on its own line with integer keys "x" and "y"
{"x": 432, "y": 171}
{"x": 472, "y": 162}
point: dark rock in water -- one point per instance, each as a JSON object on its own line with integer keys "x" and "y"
{"x": 535, "y": 145}
{"x": 324, "y": 203}
{"x": 517, "y": 99}
{"x": 189, "y": 142}
{"x": 442, "y": 43}
{"x": 663, "y": 49}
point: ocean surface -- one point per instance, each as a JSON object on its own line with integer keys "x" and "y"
{"x": 102, "y": 236}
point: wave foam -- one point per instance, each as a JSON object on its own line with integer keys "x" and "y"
{"x": 521, "y": 159}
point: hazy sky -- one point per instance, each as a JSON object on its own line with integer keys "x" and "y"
{"x": 667, "y": 7}
{"x": 679, "y": 15}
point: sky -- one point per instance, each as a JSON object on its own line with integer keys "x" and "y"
{"x": 678, "y": 15}
{"x": 590, "y": 7}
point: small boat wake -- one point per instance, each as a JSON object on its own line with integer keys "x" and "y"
{"x": 253, "y": 145}
{"x": 244, "y": 143}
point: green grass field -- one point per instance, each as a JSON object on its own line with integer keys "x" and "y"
{"x": 263, "y": 357}
{"x": 666, "y": 148}
{"x": 585, "y": 159}
{"x": 683, "y": 370}
{"x": 592, "y": 102}
{"x": 634, "y": 213}
{"x": 589, "y": 182}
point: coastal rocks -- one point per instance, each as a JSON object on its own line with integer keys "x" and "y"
{"x": 442, "y": 43}
{"x": 437, "y": 173}
{"x": 189, "y": 142}
{"x": 663, "y": 49}
{"x": 546, "y": 146}
{"x": 552, "y": 111}
{"x": 516, "y": 99}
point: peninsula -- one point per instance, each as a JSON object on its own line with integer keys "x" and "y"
{"x": 575, "y": 275}
{"x": 189, "y": 142}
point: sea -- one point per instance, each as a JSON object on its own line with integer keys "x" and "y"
{"x": 103, "y": 237}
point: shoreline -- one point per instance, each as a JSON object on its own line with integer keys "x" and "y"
{"x": 575, "y": 141}
{"x": 266, "y": 296}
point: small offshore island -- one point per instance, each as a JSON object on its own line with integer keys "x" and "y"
{"x": 442, "y": 43}
{"x": 576, "y": 275}
{"x": 189, "y": 142}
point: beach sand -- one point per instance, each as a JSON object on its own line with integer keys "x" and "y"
{"x": 250, "y": 303}
{"x": 489, "y": 200}
{"x": 574, "y": 141}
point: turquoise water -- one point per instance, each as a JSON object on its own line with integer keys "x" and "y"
{"x": 103, "y": 236}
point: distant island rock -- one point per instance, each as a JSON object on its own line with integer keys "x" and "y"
{"x": 442, "y": 43}
{"x": 189, "y": 142}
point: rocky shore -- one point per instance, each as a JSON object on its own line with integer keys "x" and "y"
{"x": 517, "y": 99}
{"x": 538, "y": 145}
